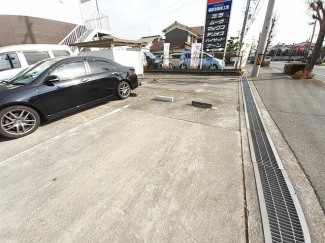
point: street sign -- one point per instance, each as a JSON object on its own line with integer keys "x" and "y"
{"x": 302, "y": 48}
{"x": 216, "y": 24}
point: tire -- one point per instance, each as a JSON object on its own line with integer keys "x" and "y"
{"x": 18, "y": 121}
{"x": 183, "y": 66}
{"x": 123, "y": 90}
{"x": 214, "y": 67}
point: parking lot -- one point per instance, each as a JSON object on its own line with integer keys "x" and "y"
{"x": 134, "y": 170}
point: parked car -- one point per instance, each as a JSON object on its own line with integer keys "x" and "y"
{"x": 174, "y": 59}
{"x": 267, "y": 59}
{"x": 15, "y": 58}
{"x": 208, "y": 61}
{"x": 58, "y": 86}
{"x": 152, "y": 60}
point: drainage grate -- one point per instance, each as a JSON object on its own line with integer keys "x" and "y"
{"x": 281, "y": 221}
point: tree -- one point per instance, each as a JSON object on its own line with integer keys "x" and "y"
{"x": 318, "y": 9}
{"x": 270, "y": 36}
{"x": 233, "y": 44}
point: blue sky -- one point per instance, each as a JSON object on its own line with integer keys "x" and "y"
{"x": 132, "y": 19}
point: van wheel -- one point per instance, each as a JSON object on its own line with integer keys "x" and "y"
{"x": 18, "y": 121}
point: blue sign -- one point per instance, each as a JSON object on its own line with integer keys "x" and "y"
{"x": 219, "y": 7}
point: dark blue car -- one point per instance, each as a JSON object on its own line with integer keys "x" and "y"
{"x": 56, "y": 87}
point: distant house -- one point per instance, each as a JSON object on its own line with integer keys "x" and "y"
{"x": 151, "y": 40}
{"x": 180, "y": 38}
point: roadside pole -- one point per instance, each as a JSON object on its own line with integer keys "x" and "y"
{"x": 243, "y": 32}
{"x": 262, "y": 44}
{"x": 201, "y": 54}
{"x": 311, "y": 40}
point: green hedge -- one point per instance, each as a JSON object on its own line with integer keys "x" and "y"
{"x": 291, "y": 69}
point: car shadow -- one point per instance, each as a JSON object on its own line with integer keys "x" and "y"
{"x": 45, "y": 123}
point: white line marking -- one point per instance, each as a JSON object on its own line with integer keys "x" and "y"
{"x": 320, "y": 74}
{"x": 58, "y": 137}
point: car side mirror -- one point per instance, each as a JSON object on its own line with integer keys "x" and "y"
{"x": 51, "y": 79}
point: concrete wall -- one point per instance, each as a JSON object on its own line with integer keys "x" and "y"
{"x": 16, "y": 30}
{"x": 60, "y": 10}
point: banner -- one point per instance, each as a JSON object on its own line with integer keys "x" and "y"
{"x": 216, "y": 24}
{"x": 166, "y": 55}
{"x": 195, "y": 55}
{"x": 244, "y": 55}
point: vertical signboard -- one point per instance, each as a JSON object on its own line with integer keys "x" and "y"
{"x": 195, "y": 54}
{"x": 166, "y": 55}
{"x": 244, "y": 55}
{"x": 216, "y": 25}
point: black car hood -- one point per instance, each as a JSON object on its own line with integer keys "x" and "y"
{"x": 4, "y": 86}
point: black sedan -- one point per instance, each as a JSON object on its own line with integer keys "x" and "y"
{"x": 56, "y": 87}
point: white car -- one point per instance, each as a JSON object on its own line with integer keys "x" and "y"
{"x": 267, "y": 59}
{"x": 15, "y": 58}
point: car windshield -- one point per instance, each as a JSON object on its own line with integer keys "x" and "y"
{"x": 149, "y": 54}
{"x": 31, "y": 74}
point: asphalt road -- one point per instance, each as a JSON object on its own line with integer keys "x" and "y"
{"x": 319, "y": 71}
{"x": 297, "y": 107}
{"x": 134, "y": 170}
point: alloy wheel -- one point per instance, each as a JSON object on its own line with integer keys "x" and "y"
{"x": 124, "y": 90}
{"x": 18, "y": 122}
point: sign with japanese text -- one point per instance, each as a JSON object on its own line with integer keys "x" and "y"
{"x": 166, "y": 55}
{"x": 216, "y": 24}
{"x": 244, "y": 55}
{"x": 195, "y": 54}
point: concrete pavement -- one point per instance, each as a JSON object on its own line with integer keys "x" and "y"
{"x": 135, "y": 170}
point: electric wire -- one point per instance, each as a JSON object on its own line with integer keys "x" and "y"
{"x": 132, "y": 27}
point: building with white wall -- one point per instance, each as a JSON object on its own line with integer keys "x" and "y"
{"x": 38, "y": 21}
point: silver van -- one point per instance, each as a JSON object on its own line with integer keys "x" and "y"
{"x": 14, "y": 59}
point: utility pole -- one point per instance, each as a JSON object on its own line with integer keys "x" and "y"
{"x": 262, "y": 44}
{"x": 291, "y": 51}
{"x": 243, "y": 31}
{"x": 312, "y": 37}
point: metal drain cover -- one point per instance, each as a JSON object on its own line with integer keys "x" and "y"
{"x": 282, "y": 216}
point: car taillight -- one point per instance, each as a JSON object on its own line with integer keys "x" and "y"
{"x": 134, "y": 73}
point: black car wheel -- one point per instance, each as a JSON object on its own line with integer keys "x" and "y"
{"x": 18, "y": 121}
{"x": 214, "y": 66}
{"x": 183, "y": 66}
{"x": 123, "y": 90}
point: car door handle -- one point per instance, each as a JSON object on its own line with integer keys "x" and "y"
{"x": 84, "y": 80}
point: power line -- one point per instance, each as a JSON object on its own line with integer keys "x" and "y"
{"x": 156, "y": 17}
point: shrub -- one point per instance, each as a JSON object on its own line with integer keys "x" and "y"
{"x": 303, "y": 75}
{"x": 292, "y": 68}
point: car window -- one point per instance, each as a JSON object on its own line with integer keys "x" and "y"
{"x": 60, "y": 53}
{"x": 176, "y": 56}
{"x": 97, "y": 66}
{"x": 31, "y": 73}
{"x": 4, "y": 62}
{"x": 70, "y": 70}
{"x": 9, "y": 61}
{"x": 34, "y": 57}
